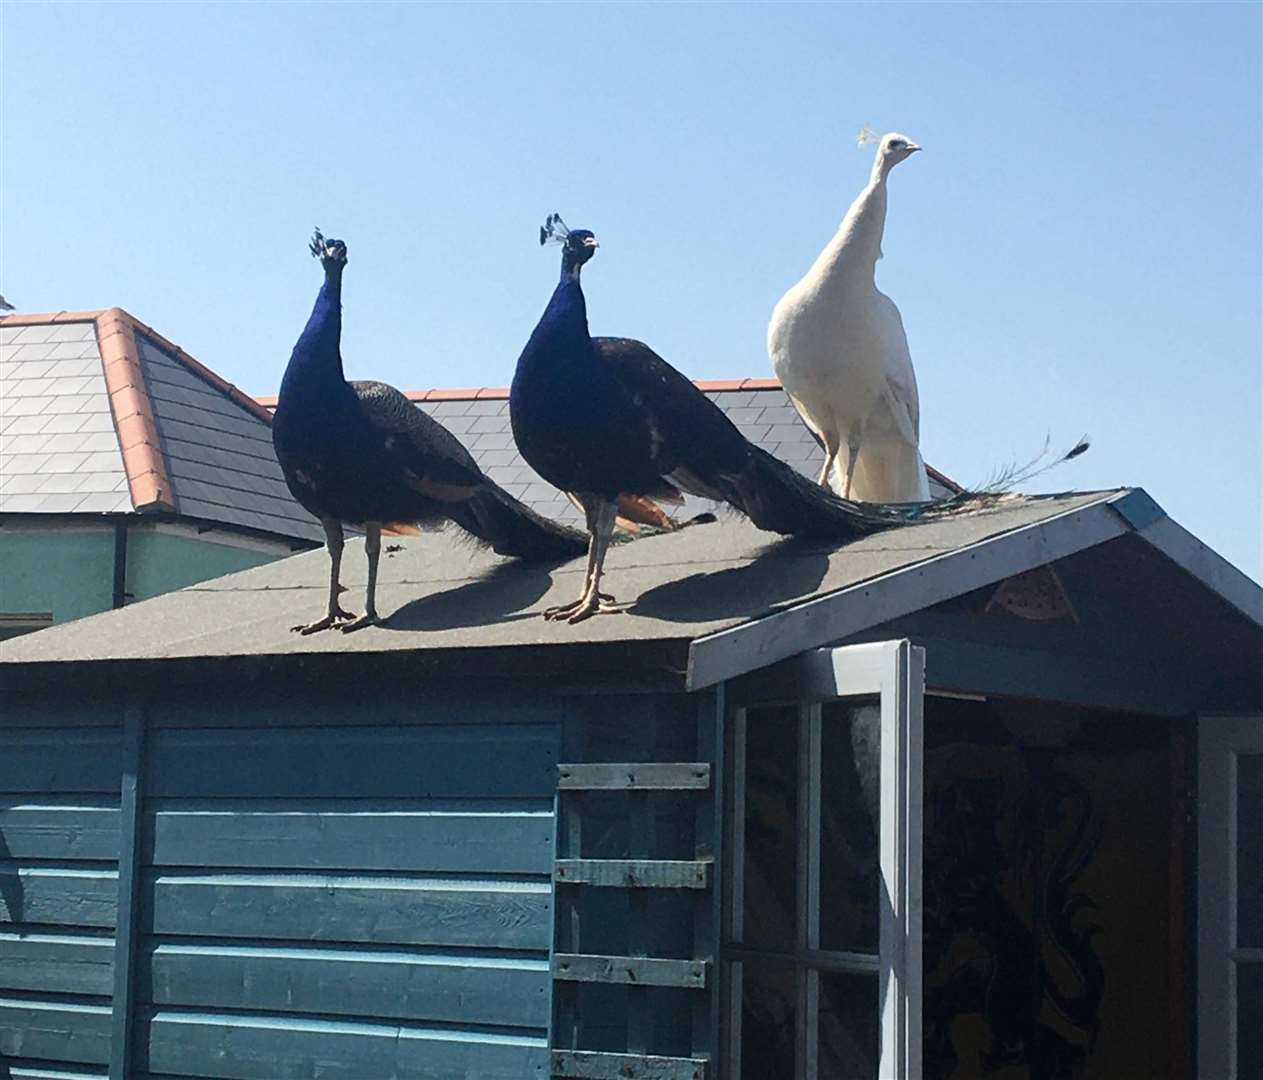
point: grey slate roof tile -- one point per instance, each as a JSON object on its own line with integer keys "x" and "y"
{"x": 24, "y": 406}
{"x": 23, "y": 463}
{"x": 66, "y": 442}
{"x": 104, "y": 503}
{"x": 28, "y": 425}
{"x": 73, "y": 331}
{"x": 60, "y": 483}
{"x": 488, "y": 407}
{"x": 99, "y": 421}
{"x": 98, "y": 441}
{"x": 23, "y": 444}
{"x": 19, "y": 484}
{"x": 98, "y": 482}
{"x": 94, "y": 403}
{"x": 23, "y": 503}
{"x": 65, "y": 422}
{"x": 490, "y": 441}
{"x": 60, "y": 503}
{"x": 63, "y": 463}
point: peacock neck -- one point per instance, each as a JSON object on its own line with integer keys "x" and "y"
{"x": 851, "y": 256}
{"x": 317, "y": 358}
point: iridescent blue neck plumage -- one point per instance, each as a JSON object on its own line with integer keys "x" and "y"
{"x": 317, "y": 357}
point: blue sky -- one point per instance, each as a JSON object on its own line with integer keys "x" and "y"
{"x": 1078, "y": 249}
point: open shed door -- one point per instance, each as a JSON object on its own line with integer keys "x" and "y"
{"x": 822, "y": 943}
{"x": 1230, "y": 897}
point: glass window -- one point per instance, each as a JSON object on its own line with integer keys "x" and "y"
{"x": 849, "y": 1008}
{"x": 850, "y": 874}
{"x": 771, "y": 817}
{"x": 1250, "y": 852}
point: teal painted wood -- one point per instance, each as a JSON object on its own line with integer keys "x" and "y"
{"x": 51, "y": 761}
{"x": 56, "y": 896}
{"x": 309, "y": 837}
{"x": 314, "y": 907}
{"x": 54, "y": 1031}
{"x": 33, "y": 829}
{"x": 634, "y": 873}
{"x": 56, "y": 963}
{"x": 27, "y": 1070}
{"x": 425, "y": 761}
{"x": 41, "y": 709}
{"x": 599, "y": 1065}
{"x": 281, "y": 1048}
{"x": 465, "y": 988}
{"x": 128, "y": 886}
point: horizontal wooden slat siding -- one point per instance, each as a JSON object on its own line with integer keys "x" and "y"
{"x": 57, "y": 896}
{"x": 31, "y": 829}
{"x": 269, "y": 1048}
{"x": 54, "y": 1031}
{"x": 484, "y": 989}
{"x": 325, "y": 907}
{"x": 425, "y": 761}
{"x": 56, "y": 963}
{"x": 306, "y": 835}
{"x": 51, "y": 761}
{"x": 28, "y": 1070}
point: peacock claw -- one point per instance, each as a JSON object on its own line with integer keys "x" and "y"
{"x": 584, "y": 608}
{"x": 369, "y": 618}
{"x": 337, "y": 615}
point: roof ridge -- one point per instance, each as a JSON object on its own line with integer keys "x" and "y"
{"x": 134, "y": 423}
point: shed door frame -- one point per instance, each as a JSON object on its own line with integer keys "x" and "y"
{"x": 894, "y": 672}
{"x": 1221, "y": 742}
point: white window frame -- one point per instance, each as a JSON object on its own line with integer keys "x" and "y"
{"x": 1221, "y": 740}
{"x": 894, "y": 672}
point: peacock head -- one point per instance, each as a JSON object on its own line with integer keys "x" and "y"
{"x": 577, "y": 245}
{"x": 893, "y": 148}
{"x": 331, "y": 253}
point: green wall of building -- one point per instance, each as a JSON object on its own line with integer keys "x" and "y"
{"x": 67, "y": 569}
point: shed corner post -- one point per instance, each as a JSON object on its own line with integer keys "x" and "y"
{"x": 129, "y": 857}
{"x": 709, "y": 843}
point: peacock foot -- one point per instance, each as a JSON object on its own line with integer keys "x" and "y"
{"x": 584, "y": 608}
{"x": 369, "y": 618}
{"x": 337, "y": 615}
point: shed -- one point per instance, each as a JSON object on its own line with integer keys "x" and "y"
{"x": 980, "y": 797}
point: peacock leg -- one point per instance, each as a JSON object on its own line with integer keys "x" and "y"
{"x": 830, "y": 458}
{"x": 373, "y": 549}
{"x": 335, "y": 614}
{"x": 601, "y": 516}
{"x": 852, "y": 455}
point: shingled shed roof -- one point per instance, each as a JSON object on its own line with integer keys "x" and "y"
{"x": 761, "y": 410}
{"x": 705, "y": 604}
{"x": 99, "y": 413}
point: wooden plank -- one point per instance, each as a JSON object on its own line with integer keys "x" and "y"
{"x": 630, "y": 970}
{"x": 635, "y": 873}
{"x": 27, "y": 1070}
{"x": 128, "y": 882}
{"x": 308, "y": 837}
{"x": 55, "y": 896}
{"x": 56, "y": 963}
{"x": 708, "y": 831}
{"x": 464, "y": 988}
{"x": 240, "y": 1047}
{"x": 597, "y": 1065}
{"x": 313, "y": 907}
{"x": 426, "y": 761}
{"x": 66, "y": 760}
{"x": 38, "y": 830}
{"x": 54, "y": 1031}
{"x": 635, "y": 776}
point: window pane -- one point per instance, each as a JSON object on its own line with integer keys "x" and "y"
{"x": 1249, "y": 1030}
{"x": 1250, "y": 852}
{"x": 849, "y": 1008}
{"x": 850, "y": 875}
{"x": 771, "y": 811}
{"x": 769, "y": 997}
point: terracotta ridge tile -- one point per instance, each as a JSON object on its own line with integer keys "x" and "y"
{"x": 253, "y": 407}
{"x": 147, "y": 479}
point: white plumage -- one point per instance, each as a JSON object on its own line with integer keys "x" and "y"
{"x": 839, "y": 349}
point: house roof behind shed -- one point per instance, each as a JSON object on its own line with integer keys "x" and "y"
{"x": 760, "y": 409}
{"x": 99, "y": 413}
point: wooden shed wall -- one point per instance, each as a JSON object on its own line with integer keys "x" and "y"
{"x": 339, "y": 886}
